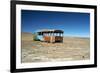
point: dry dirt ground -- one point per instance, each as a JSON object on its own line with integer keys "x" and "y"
{"x": 72, "y": 48}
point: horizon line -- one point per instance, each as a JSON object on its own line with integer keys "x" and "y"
{"x": 64, "y": 35}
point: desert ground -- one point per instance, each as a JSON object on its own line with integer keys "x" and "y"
{"x": 72, "y": 48}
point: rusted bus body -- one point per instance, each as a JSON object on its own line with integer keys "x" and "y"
{"x": 53, "y": 38}
{"x": 58, "y": 39}
{"x": 51, "y": 35}
{"x": 47, "y": 38}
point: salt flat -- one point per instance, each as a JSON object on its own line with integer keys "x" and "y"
{"x": 72, "y": 48}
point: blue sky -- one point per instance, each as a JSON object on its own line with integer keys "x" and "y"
{"x": 72, "y": 23}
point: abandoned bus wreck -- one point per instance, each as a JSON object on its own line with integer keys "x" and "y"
{"x": 49, "y": 35}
